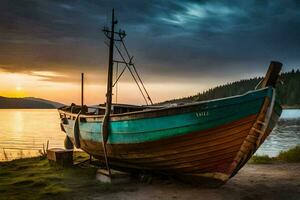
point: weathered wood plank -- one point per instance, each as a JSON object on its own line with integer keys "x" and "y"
{"x": 272, "y": 74}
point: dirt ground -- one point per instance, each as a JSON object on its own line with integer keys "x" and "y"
{"x": 254, "y": 181}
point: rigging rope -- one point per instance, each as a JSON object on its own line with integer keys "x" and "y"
{"x": 148, "y": 96}
{"x": 117, "y": 82}
{"x": 119, "y": 77}
{"x": 142, "y": 84}
{"x": 127, "y": 65}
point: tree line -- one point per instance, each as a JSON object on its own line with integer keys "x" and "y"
{"x": 288, "y": 89}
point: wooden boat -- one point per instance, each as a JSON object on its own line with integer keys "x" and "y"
{"x": 205, "y": 141}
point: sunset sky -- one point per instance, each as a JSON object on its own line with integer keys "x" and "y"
{"x": 180, "y": 47}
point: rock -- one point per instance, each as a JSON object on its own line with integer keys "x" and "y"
{"x": 116, "y": 176}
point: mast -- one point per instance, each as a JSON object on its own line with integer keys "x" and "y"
{"x": 110, "y": 34}
{"x": 82, "y": 82}
{"x": 110, "y": 65}
{"x": 105, "y": 123}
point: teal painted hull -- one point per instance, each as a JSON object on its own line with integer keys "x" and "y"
{"x": 200, "y": 117}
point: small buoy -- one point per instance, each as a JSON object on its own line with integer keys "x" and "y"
{"x": 68, "y": 143}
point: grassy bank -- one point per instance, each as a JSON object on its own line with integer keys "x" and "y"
{"x": 34, "y": 178}
{"x": 290, "y": 156}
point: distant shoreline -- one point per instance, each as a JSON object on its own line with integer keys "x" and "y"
{"x": 291, "y": 107}
{"x": 27, "y": 103}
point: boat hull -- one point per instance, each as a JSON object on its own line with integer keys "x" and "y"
{"x": 207, "y": 142}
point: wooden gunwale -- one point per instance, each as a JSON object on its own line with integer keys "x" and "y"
{"x": 165, "y": 111}
{"x": 69, "y": 128}
{"x": 184, "y": 126}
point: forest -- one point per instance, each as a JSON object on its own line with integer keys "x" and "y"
{"x": 288, "y": 89}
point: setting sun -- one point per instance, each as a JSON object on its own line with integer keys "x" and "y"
{"x": 18, "y": 88}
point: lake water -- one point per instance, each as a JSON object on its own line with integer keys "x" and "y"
{"x": 284, "y": 136}
{"x": 23, "y": 132}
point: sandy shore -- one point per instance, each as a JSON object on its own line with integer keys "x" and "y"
{"x": 273, "y": 181}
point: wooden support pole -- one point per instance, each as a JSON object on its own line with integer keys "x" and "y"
{"x": 106, "y": 119}
{"x": 82, "y": 82}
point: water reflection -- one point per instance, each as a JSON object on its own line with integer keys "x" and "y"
{"x": 23, "y": 132}
{"x": 17, "y": 122}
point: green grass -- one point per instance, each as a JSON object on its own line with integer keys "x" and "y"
{"x": 35, "y": 178}
{"x": 289, "y": 156}
{"x": 261, "y": 160}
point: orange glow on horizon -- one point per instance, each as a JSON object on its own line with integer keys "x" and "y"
{"x": 34, "y": 84}
{"x": 13, "y": 84}
{"x": 13, "y": 94}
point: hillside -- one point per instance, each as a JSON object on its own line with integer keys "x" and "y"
{"x": 288, "y": 90}
{"x": 27, "y": 102}
{"x": 54, "y": 103}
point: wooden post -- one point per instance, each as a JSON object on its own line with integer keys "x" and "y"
{"x": 82, "y": 81}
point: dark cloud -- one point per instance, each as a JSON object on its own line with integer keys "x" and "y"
{"x": 193, "y": 39}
